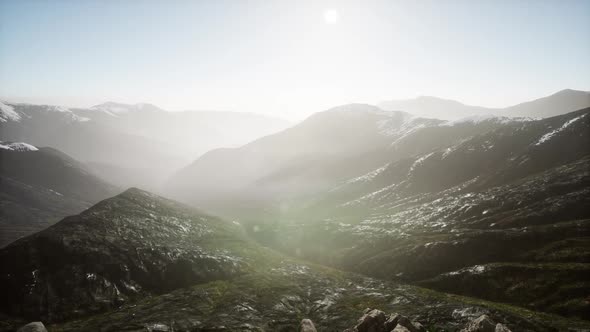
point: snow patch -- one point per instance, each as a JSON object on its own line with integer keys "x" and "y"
{"x": 476, "y": 119}
{"x": 369, "y": 176}
{"x": 552, "y": 133}
{"x": 17, "y": 146}
{"x": 7, "y": 112}
{"x": 419, "y": 161}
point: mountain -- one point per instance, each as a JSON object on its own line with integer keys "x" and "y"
{"x": 558, "y": 103}
{"x": 115, "y": 138}
{"x": 562, "y": 102}
{"x": 39, "y": 186}
{"x": 324, "y": 150}
{"x": 141, "y": 262}
{"x": 421, "y": 200}
{"x": 500, "y": 216}
{"x": 433, "y": 107}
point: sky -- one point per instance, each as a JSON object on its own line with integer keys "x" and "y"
{"x": 290, "y": 58}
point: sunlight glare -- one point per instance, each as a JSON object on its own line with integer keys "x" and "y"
{"x": 331, "y": 16}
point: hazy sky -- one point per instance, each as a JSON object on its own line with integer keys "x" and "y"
{"x": 290, "y": 58}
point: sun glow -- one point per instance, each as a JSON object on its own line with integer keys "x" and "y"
{"x": 331, "y": 16}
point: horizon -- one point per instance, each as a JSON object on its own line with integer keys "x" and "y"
{"x": 289, "y": 61}
{"x": 291, "y": 120}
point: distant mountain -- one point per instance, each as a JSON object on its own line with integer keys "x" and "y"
{"x": 39, "y": 186}
{"x": 433, "y": 107}
{"x": 139, "y": 261}
{"x": 140, "y": 137}
{"x": 395, "y": 196}
{"x": 500, "y": 215}
{"x": 327, "y": 148}
{"x": 562, "y": 102}
{"x": 343, "y": 132}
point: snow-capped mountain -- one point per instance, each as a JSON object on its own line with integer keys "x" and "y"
{"x": 141, "y": 140}
{"x": 39, "y": 186}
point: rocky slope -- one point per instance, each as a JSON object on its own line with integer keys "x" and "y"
{"x": 40, "y": 186}
{"x": 508, "y": 195}
{"x": 323, "y": 151}
{"x": 141, "y": 262}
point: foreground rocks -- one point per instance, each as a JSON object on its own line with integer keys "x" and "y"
{"x": 33, "y": 327}
{"x": 375, "y": 320}
{"x": 484, "y": 324}
{"x": 307, "y": 326}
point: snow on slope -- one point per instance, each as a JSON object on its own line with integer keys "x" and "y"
{"x": 476, "y": 119}
{"x": 116, "y": 109}
{"x": 552, "y": 133}
{"x": 17, "y": 146}
{"x": 7, "y": 113}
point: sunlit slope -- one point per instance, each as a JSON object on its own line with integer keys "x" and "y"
{"x": 501, "y": 196}
{"x": 138, "y": 260}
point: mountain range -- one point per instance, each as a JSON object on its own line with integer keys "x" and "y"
{"x": 131, "y": 144}
{"x": 432, "y": 107}
{"x": 449, "y": 222}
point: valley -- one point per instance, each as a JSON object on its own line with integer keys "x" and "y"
{"x": 353, "y": 208}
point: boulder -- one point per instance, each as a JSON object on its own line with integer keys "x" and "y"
{"x": 33, "y": 327}
{"x": 391, "y": 321}
{"x": 408, "y": 324}
{"x": 307, "y": 326}
{"x": 419, "y": 327}
{"x": 400, "y": 328}
{"x": 372, "y": 321}
{"x": 481, "y": 324}
{"x": 502, "y": 328}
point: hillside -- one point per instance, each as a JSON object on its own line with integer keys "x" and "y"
{"x": 138, "y": 260}
{"x": 116, "y": 139}
{"x": 39, "y": 186}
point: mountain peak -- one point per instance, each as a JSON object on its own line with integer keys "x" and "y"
{"x": 571, "y": 92}
{"x": 119, "y": 108}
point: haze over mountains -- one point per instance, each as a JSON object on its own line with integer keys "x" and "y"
{"x": 351, "y": 208}
{"x": 40, "y": 186}
{"x": 131, "y": 144}
{"x": 433, "y": 107}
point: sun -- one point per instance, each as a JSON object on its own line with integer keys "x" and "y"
{"x": 331, "y": 16}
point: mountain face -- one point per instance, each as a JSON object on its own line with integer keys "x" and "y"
{"x": 455, "y": 224}
{"x": 138, "y": 261}
{"x": 320, "y": 153}
{"x": 424, "y": 202}
{"x": 347, "y": 131}
{"x": 39, "y": 186}
{"x": 116, "y": 139}
{"x": 507, "y": 207}
{"x": 562, "y": 102}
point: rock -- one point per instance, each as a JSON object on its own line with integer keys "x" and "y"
{"x": 400, "y": 328}
{"x": 419, "y": 327}
{"x": 372, "y": 321}
{"x": 33, "y": 327}
{"x": 408, "y": 324}
{"x": 481, "y": 324}
{"x": 502, "y": 328}
{"x": 307, "y": 326}
{"x": 157, "y": 327}
{"x": 391, "y": 322}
